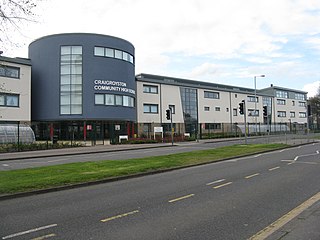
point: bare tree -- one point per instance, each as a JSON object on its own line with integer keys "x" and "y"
{"x": 13, "y": 13}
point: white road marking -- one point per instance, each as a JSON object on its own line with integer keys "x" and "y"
{"x": 217, "y": 181}
{"x": 29, "y": 231}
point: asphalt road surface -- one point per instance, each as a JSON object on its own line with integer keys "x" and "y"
{"x": 233, "y": 199}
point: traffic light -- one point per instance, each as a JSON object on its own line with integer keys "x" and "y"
{"x": 241, "y": 108}
{"x": 265, "y": 111}
{"x": 168, "y": 114}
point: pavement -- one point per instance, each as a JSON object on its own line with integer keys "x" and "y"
{"x": 305, "y": 226}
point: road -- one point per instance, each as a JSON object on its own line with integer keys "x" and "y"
{"x": 139, "y": 153}
{"x": 233, "y": 199}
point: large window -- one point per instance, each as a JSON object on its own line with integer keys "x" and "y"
{"x": 213, "y": 95}
{"x": 150, "y": 89}
{"x": 300, "y": 96}
{"x": 150, "y": 108}
{"x": 71, "y": 80}
{"x": 113, "y": 100}
{"x": 9, "y": 100}
{"x": 281, "y": 94}
{"x": 252, "y": 112}
{"x": 113, "y": 53}
{"x": 8, "y": 71}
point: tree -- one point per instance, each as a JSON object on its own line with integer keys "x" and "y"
{"x": 314, "y": 103}
{"x": 13, "y": 13}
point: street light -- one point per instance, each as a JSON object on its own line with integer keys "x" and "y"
{"x": 255, "y": 99}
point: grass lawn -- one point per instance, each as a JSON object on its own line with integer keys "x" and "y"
{"x": 59, "y": 175}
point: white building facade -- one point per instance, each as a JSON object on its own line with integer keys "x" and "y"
{"x": 15, "y": 90}
{"x": 208, "y": 108}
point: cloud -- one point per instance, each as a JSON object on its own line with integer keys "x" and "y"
{"x": 312, "y": 88}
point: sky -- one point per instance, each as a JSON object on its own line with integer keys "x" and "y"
{"x": 221, "y": 41}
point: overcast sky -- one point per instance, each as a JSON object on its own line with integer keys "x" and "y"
{"x": 221, "y": 41}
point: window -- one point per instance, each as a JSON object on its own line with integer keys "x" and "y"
{"x": 206, "y": 109}
{"x": 282, "y": 114}
{"x": 212, "y": 95}
{"x": 118, "y": 54}
{"x": 292, "y": 114}
{"x": 235, "y": 112}
{"x": 150, "y": 108}
{"x": 9, "y": 100}
{"x": 109, "y": 52}
{"x": 110, "y": 99}
{"x": 281, "y": 102}
{"x": 251, "y": 112}
{"x": 71, "y": 79}
{"x": 299, "y": 96}
{"x": 113, "y": 53}
{"x": 8, "y": 71}
{"x": 302, "y": 115}
{"x": 302, "y": 104}
{"x": 99, "y": 99}
{"x": 211, "y": 126}
{"x": 252, "y": 98}
{"x": 99, "y": 51}
{"x": 118, "y": 100}
{"x": 150, "y": 89}
{"x": 281, "y": 94}
{"x": 293, "y": 103}
{"x": 217, "y": 109}
{"x": 173, "y": 108}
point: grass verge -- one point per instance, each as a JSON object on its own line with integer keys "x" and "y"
{"x": 30, "y": 179}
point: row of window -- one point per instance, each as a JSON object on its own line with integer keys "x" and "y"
{"x": 9, "y": 100}
{"x": 113, "y": 53}
{"x": 283, "y": 102}
{"x": 285, "y": 94}
{"x": 113, "y": 100}
{"x": 8, "y": 71}
{"x": 292, "y": 114}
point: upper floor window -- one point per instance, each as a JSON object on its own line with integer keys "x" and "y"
{"x": 113, "y": 53}
{"x": 252, "y": 99}
{"x": 8, "y": 71}
{"x": 150, "y": 89}
{"x": 113, "y": 100}
{"x": 292, "y": 114}
{"x": 150, "y": 108}
{"x": 213, "y": 95}
{"x": 300, "y": 96}
{"x": 281, "y": 94}
{"x": 252, "y": 112}
{"x": 302, "y": 115}
{"x": 9, "y": 100}
{"x": 281, "y": 102}
{"x": 282, "y": 114}
{"x": 302, "y": 104}
{"x": 206, "y": 108}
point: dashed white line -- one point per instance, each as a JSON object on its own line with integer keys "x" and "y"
{"x": 271, "y": 169}
{"x": 29, "y": 231}
{"x": 217, "y": 181}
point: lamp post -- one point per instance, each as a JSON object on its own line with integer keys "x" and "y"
{"x": 255, "y": 100}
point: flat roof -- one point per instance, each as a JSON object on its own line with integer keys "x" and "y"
{"x": 195, "y": 84}
{"x": 23, "y": 61}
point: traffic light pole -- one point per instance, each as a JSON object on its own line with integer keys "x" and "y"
{"x": 171, "y": 126}
{"x": 245, "y": 121}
